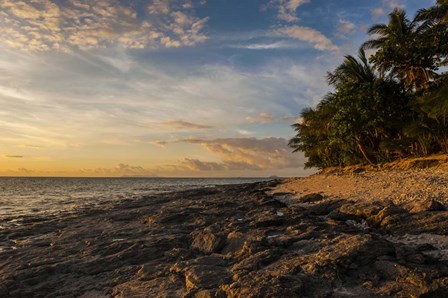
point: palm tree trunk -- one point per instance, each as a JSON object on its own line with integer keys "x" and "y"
{"x": 363, "y": 152}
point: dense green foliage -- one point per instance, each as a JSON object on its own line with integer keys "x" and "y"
{"x": 392, "y": 105}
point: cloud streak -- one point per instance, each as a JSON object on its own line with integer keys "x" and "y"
{"x": 268, "y": 118}
{"x": 180, "y": 125}
{"x": 306, "y": 34}
{"x": 278, "y": 45}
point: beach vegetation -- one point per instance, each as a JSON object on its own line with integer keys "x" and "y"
{"x": 391, "y": 105}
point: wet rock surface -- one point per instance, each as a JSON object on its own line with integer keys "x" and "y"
{"x": 231, "y": 241}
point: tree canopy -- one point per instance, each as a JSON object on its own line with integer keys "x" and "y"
{"x": 391, "y": 105}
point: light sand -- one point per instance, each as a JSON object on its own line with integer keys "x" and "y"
{"x": 399, "y": 186}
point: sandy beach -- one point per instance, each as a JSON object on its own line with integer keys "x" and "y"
{"x": 338, "y": 234}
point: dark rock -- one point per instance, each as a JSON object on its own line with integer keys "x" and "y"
{"x": 263, "y": 284}
{"x": 345, "y": 250}
{"x": 205, "y": 276}
{"x": 206, "y": 241}
{"x": 234, "y": 243}
{"x": 426, "y": 205}
{"x": 386, "y": 215}
{"x": 389, "y": 270}
{"x": 311, "y": 198}
{"x": 204, "y": 294}
{"x": 324, "y": 208}
{"x": 357, "y": 211}
{"x": 255, "y": 262}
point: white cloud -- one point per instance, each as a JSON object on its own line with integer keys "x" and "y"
{"x": 286, "y": 9}
{"x": 159, "y": 7}
{"x": 267, "y": 46}
{"x": 43, "y": 25}
{"x": 387, "y": 5}
{"x": 345, "y": 28}
{"x": 319, "y": 41}
{"x": 392, "y": 4}
{"x": 378, "y": 13}
{"x": 260, "y": 118}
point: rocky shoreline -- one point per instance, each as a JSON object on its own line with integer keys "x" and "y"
{"x": 232, "y": 241}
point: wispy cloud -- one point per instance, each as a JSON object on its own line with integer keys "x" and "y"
{"x": 392, "y": 4}
{"x": 121, "y": 170}
{"x": 268, "y": 118}
{"x": 29, "y": 146}
{"x": 310, "y": 35}
{"x": 161, "y": 144}
{"x": 14, "y": 156}
{"x": 267, "y": 46}
{"x": 345, "y": 28}
{"x": 179, "y": 125}
{"x": 160, "y": 7}
{"x": 387, "y": 6}
{"x": 378, "y": 13}
{"x": 196, "y": 165}
{"x": 260, "y": 118}
{"x": 286, "y": 9}
{"x": 43, "y": 25}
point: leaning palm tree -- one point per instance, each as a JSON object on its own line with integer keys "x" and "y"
{"x": 402, "y": 52}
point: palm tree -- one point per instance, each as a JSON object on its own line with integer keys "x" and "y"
{"x": 435, "y": 25}
{"x": 352, "y": 71}
{"x": 313, "y": 137}
{"x": 402, "y": 52}
{"x": 434, "y": 14}
{"x": 432, "y": 109}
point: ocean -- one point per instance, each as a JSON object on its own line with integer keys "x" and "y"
{"x": 25, "y": 198}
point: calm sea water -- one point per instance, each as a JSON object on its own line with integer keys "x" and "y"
{"x": 21, "y": 198}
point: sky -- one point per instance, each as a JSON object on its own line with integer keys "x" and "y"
{"x": 192, "y": 88}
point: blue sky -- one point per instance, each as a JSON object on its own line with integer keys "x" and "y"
{"x": 166, "y": 87}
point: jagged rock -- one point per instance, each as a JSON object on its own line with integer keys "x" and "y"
{"x": 426, "y": 205}
{"x": 262, "y": 284}
{"x": 268, "y": 219}
{"x": 204, "y": 294}
{"x": 383, "y": 218}
{"x": 255, "y": 262}
{"x": 388, "y": 269}
{"x": 311, "y": 198}
{"x": 206, "y": 241}
{"x": 346, "y": 250}
{"x": 206, "y": 276}
{"x": 234, "y": 243}
{"x": 357, "y": 211}
{"x": 324, "y": 208}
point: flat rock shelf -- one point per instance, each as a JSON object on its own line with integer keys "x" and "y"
{"x": 231, "y": 241}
